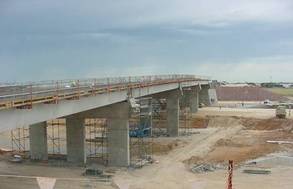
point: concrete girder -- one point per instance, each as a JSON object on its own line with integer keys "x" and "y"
{"x": 14, "y": 118}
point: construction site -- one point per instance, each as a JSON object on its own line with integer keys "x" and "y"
{"x": 232, "y": 143}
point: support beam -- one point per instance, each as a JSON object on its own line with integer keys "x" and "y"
{"x": 38, "y": 141}
{"x": 173, "y": 113}
{"x": 118, "y": 136}
{"x": 75, "y": 137}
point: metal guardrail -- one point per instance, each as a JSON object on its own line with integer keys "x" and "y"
{"x": 24, "y": 95}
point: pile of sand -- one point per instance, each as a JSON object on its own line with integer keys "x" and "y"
{"x": 268, "y": 124}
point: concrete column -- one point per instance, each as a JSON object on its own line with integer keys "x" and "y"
{"x": 204, "y": 95}
{"x": 194, "y": 100}
{"x": 173, "y": 113}
{"x": 118, "y": 136}
{"x": 38, "y": 141}
{"x": 75, "y": 137}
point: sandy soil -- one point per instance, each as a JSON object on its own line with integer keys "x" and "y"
{"x": 230, "y": 137}
{"x": 171, "y": 172}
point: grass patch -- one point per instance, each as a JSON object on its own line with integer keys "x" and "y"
{"x": 282, "y": 91}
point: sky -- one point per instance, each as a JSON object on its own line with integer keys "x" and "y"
{"x": 228, "y": 40}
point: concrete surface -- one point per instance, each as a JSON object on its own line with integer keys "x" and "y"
{"x": 38, "y": 141}
{"x": 75, "y": 137}
{"x": 118, "y": 136}
{"x": 194, "y": 99}
{"x": 173, "y": 113}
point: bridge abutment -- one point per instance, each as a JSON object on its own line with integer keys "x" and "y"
{"x": 38, "y": 141}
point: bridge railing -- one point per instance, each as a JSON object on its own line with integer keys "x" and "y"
{"x": 17, "y": 94}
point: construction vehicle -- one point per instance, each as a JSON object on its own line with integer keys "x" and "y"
{"x": 144, "y": 110}
{"x": 140, "y": 131}
{"x": 281, "y": 112}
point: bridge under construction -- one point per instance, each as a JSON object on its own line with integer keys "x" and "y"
{"x": 113, "y": 115}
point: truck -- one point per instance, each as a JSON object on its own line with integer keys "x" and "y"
{"x": 281, "y": 112}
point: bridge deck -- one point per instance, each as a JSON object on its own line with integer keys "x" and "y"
{"x": 24, "y": 96}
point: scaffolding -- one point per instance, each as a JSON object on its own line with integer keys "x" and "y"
{"x": 96, "y": 140}
{"x": 185, "y": 117}
{"x": 159, "y": 117}
{"x": 56, "y": 138}
{"x": 20, "y": 139}
{"x": 141, "y": 134}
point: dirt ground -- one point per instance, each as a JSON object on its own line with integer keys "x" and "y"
{"x": 237, "y": 134}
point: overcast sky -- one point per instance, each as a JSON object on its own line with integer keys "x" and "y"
{"x": 243, "y": 40}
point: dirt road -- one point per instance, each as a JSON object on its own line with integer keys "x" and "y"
{"x": 171, "y": 172}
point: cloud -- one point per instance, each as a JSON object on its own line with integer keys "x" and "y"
{"x": 258, "y": 69}
{"x": 92, "y": 15}
{"x": 73, "y": 38}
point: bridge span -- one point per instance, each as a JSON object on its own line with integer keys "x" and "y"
{"x": 33, "y": 104}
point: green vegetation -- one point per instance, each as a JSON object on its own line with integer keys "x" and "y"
{"x": 282, "y": 91}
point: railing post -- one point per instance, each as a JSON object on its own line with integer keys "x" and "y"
{"x": 78, "y": 89}
{"x": 108, "y": 85}
{"x": 95, "y": 86}
{"x": 57, "y": 93}
{"x": 31, "y": 95}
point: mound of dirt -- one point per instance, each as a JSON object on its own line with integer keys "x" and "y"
{"x": 222, "y": 154}
{"x": 246, "y": 93}
{"x": 249, "y": 143}
{"x": 268, "y": 124}
{"x": 223, "y": 121}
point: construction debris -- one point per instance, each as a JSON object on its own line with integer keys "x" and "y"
{"x": 202, "y": 168}
{"x": 142, "y": 162}
{"x": 93, "y": 172}
{"x": 5, "y": 150}
{"x": 16, "y": 159}
{"x": 279, "y": 142}
{"x": 256, "y": 171}
{"x": 100, "y": 174}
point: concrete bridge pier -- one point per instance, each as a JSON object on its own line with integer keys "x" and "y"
{"x": 208, "y": 95}
{"x": 204, "y": 95}
{"x": 194, "y": 99}
{"x": 38, "y": 141}
{"x": 75, "y": 138}
{"x": 173, "y": 113}
{"x": 118, "y": 135}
